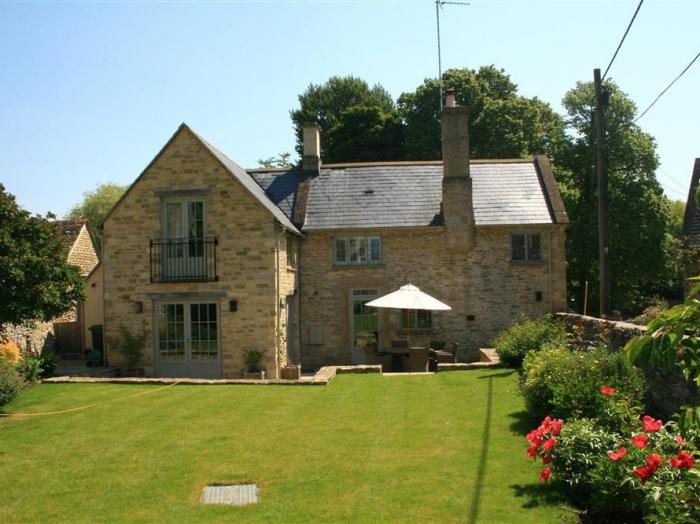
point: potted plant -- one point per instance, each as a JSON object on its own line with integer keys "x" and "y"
{"x": 253, "y": 357}
{"x": 131, "y": 346}
{"x": 290, "y": 372}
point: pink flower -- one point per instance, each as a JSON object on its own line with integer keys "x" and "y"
{"x": 640, "y": 441}
{"x": 545, "y": 474}
{"x": 680, "y": 440}
{"x": 651, "y": 425}
{"x": 607, "y": 390}
{"x": 617, "y": 455}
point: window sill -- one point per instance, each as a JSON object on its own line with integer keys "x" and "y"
{"x": 357, "y": 266}
{"x": 527, "y": 262}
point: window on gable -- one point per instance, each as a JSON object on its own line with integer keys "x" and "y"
{"x": 526, "y": 247}
{"x": 357, "y": 251}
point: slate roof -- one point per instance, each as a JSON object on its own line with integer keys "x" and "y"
{"x": 691, "y": 222}
{"x": 249, "y": 183}
{"x": 404, "y": 194}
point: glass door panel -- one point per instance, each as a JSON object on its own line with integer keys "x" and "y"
{"x": 364, "y": 322}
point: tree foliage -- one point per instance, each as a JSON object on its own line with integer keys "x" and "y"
{"x": 95, "y": 206}
{"x": 339, "y": 107}
{"x": 37, "y": 282}
{"x": 641, "y": 248}
{"x": 502, "y": 123}
{"x": 282, "y": 160}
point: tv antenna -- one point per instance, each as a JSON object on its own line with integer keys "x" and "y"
{"x": 438, "y": 6}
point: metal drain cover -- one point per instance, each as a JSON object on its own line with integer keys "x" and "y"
{"x": 233, "y": 494}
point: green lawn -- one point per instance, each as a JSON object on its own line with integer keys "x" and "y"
{"x": 444, "y": 447}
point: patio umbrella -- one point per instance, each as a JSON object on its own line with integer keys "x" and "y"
{"x": 411, "y": 298}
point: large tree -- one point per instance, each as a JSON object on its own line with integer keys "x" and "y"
{"x": 502, "y": 123}
{"x": 95, "y": 206}
{"x": 36, "y": 280}
{"x": 641, "y": 246}
{"x": 352, "y": 116}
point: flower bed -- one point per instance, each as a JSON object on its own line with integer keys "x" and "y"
{"x": 644, "y": 469}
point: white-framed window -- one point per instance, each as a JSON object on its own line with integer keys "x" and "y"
{"x": 361, "y": 250}
{"x": 526, "y": 247}
{"x": 416, "y": 319}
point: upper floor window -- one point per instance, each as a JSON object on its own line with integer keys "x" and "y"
{"x": 183, "y": 220}
{"x": 357, "y": 250}
{"x": 526, "y": 247}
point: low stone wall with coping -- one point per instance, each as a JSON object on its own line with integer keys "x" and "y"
{"x": 593, "y": 330}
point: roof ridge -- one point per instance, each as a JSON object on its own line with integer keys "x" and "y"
{"x": 388, "y": 163}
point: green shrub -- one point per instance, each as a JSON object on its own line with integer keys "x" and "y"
{"x": 528, "y": 335}
{"x": 565, "y": 383}
{"x": 253, "y": 357}
{"x": 131, "y": 346}
{"x": 36, "y": 368}
{"x": 10, "y": 383}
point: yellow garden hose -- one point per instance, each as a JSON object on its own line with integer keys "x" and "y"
{"x": 87, "y": 406}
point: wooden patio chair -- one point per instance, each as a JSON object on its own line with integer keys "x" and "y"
{"x": 418, "y": 360}
{"x": 444, "y": 353}
{"x": 374, "y": 358}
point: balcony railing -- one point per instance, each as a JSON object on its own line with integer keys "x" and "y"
{"x": 183, "y": 259}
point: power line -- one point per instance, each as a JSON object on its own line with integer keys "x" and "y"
{"x": 623, "y": 39}
{"x": 668, "y": 86}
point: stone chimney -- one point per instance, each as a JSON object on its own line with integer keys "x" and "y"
{"x": 311, "y": 140}
{"x": 457, "y": 206}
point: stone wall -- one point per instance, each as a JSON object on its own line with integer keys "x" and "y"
{"x": 485, "y": 289}
{"x": 32, "y": 339}
{"x": 592, "y": 329}
{"x": 247, "y": 237}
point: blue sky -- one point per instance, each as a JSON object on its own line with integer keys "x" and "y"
{"x": 89, "y": 92}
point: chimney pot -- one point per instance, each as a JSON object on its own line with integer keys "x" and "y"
{"x": 450, "y": 100}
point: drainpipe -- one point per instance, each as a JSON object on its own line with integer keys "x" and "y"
{"x": 277, "y": 303}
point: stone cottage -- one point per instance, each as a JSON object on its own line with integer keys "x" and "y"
{"x": 208, "y": 259}
{"x": 67, "y": 332}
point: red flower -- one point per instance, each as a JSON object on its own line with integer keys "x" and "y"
{"x": 549, "y": 444}
{"x": 607, "y": 390}
{"x": 546, "y": 459}
{"x": 531, "y": 452}
{"x": 650, "y": 424}
{"x": 680, "y": 440}
{"x": 545, "y": 474}
{"x": 643, "y": 473}
{"x": 640, "y": 441}
{"x": 556, "y": 427}
{"x": 617, "y": 455}
{"x": 654, "y": 461}
{"x": 682, "y": 460}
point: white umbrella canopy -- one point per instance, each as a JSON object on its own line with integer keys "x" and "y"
{"x": 409, "y": 297}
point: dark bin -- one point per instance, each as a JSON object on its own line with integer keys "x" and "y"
{"x": 97, "y": 340}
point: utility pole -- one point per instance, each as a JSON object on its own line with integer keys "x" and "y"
{"x": 438, "y": 6}
{"x": 601, "y": 102}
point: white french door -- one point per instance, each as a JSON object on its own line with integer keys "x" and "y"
{"x": 183, "y": 227}
{"x": 187, "y": 340}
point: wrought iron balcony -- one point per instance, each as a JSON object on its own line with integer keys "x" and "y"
{"x": 183, "y": 259}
